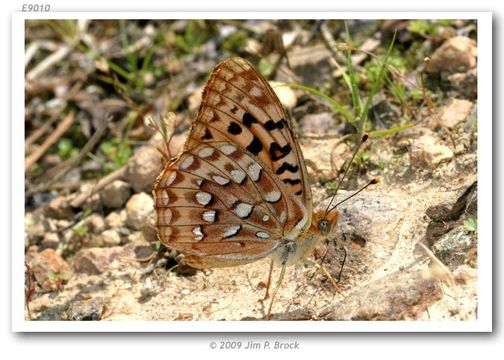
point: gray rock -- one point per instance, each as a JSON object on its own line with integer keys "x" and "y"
{"x": 312, "y": 64}
{"x": 449, "y": 240}
{"x": 51, "y": 240}
{"x": 322, "y": 122}
{"x": 140, "y": 249}
{"x": 147, "y": 291}
{"x": 143, "y": 169}
{"x": 450, "y": 211}
{"x": 34, "y": 229}
{"x": 116, "y": 194}
{"x": 135, "y": 236}
{"x": 398, "y": 296}
{"x": 95, "y": 223}
{"x": 111, "y": 237}
{"x": 93, "y": 202}
{"x": 453, "y": 248}
{"x": 115, "y": 219}
{"x": 138, "y": 209}
{"x": 84, "y": 310}
{"x": 367, "y": 227}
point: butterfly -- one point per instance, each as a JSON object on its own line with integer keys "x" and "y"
{"x": 239, "y": 191}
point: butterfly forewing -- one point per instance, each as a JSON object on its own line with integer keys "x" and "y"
{"x": 240, "y": 185}
{"x": 240, "y": 106}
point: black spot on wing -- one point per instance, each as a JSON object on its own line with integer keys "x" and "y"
{"x": 249, "y": 119}
{"x": 272, "y": 125}
{"x": 255, "y": 146}
{"x": 277, "y": 152}
{"x": 292, "y": 181}
{"x": 207, "y": 135}
{"x": 234, "y": 128}
{"x": 287, "y": 167}
{"x": 298, "y": 192}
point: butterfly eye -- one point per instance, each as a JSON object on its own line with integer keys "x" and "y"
{"x": 324, "y": 226}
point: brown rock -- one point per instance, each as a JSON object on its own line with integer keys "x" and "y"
{"x": 426, "y": 152}
{"x": 50, "y": 270}
{"x": 59, "y": 208}
{"x": 317, "y": 153}
{"x": 116, "y": 194}
{"x": 454, "y": 112}
{"x": 94, "y": 261}
{"x": 466, "y": 83}
{"x": 457, "y": 54}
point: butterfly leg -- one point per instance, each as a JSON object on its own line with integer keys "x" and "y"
{"x": 280, "y": 279}
{"x": 326, "y": 273}
{"x": 268, "y": 283}
{"x": 342, "y": 263}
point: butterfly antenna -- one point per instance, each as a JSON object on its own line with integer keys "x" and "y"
{"x": 362, "y": 141}
{"x": 372, "y": 182}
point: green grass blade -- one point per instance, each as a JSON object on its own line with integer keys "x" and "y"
{"x": 356, "y": 100}
{"x": 337, "y": 107}
{"x": 377, "y": 82}
{"x": 390, "y": 131}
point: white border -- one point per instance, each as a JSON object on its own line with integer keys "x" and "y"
{"x": 484, "y": 322}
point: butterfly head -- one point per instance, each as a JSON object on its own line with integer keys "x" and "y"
{"x": 324, "y": 223}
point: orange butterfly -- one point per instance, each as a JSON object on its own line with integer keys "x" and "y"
{"x": 239, "y": 191}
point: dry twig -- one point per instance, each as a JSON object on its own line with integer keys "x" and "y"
{"x": 58, "y": 173}
{"x": 104, "y": 181}
{"x": 51, "y": 140}
{"x": 48, "y": 124}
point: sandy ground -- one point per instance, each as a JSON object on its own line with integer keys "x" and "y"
{"x": 385, "y": 227}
